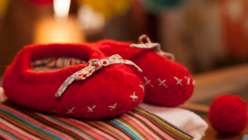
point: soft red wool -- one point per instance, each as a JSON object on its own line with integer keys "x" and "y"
{"x": 155, "y": 67}
{"x": 35, "y": 90}
{"x": 228, "y": 114}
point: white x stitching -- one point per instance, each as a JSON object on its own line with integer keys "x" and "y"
{"x": 91, "y": 108}
{"x": 179, "y": 81}
{"x": 162, "y": 83}
{"x": 188, "y": 79}
{"x": 70, "y": 110}
{"x": 134, "y": 97}
{"x": 112, "y": 107}
{"x": 148, "y": 82}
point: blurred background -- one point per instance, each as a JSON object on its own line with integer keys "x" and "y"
{"x": 204, "y": 35}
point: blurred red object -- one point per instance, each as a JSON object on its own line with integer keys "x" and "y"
{"x": 234, "y": 25}
{"x": 228, "y": 114}
{"x": 42, "y": 2}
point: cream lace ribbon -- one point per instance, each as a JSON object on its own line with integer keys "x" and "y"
{"x": 146, "y": 43}
{"x": 93, "y": 66}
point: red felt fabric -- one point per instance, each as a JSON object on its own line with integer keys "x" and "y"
{"x": 155, "y": 67}
{"x": 36, "y": 90}
{"x": 228, "y": 114}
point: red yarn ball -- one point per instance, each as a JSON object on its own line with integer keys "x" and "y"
{"x": 228, "y": 114}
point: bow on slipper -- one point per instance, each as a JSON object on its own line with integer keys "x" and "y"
{"x": 100, "y": 87}
{"x": 166, "y": 82}
{"x": 94, "y": 65}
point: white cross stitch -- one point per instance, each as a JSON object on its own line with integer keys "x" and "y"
{"x": 112, "y": 107}
{"x": 134, "y": 97}
{"x": 179, "y": 81}
{"x": 162, "y": 83}
{"x": 188, "y": 79}
{"x": 92, "y": 108}
{"x": 148, "y": 82}
{"x": 70, "y": 110}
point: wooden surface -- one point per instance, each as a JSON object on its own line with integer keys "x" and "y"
{"x": 221, "y": 81}
{"x": 211, "y": 134}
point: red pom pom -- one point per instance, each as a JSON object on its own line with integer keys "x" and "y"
{"x": 228, "y": 114}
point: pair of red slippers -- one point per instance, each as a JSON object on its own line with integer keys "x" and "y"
{"x": 95, "y": 81}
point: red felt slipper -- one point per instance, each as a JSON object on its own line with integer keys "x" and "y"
{"x": 74, "y": 80}
{"x": 166, "y": 82}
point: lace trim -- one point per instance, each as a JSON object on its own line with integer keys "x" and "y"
{"x": 93, "y": 66}
{"x": 146, "y": 43}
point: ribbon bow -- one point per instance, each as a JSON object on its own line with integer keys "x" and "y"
{"x": 93, "y": 66}
{"x": 146, "y": 43}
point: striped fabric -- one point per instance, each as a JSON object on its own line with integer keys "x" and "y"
{"x": 17, "y": 123}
